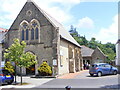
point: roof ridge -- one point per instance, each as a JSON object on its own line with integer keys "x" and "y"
{"x": 29, "y": 0}
{"x": 56, "y": 24}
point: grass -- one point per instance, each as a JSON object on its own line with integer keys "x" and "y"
{"x": 23, "y": 83}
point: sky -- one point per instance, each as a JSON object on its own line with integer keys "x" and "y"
{"x": 91, "y": 18}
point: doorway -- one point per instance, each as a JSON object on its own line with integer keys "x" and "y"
{"x": 30, "y": 70}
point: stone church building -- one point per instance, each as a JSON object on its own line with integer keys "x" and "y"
{"x": 47, "y": 39}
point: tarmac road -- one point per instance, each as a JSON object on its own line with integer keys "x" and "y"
{"x": 83, "y": 80}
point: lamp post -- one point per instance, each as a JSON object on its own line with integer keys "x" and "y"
{"x": 15, "y": 73}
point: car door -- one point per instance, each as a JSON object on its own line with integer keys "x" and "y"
{"x": 103, "y": 68}
{"x": 107, "y": 68}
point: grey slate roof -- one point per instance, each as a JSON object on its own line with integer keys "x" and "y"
{"x": 63, "y": 33}
{"x": 86, "y": 51}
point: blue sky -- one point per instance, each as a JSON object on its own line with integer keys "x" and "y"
{"x": 92, "y": 19}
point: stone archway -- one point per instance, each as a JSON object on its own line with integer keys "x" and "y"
{"x": 32, "y": 70}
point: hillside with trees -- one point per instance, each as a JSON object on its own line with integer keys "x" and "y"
{"x": 108, "y": 48}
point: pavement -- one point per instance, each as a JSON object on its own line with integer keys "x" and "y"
{"x": 70, "y": 75}
{"x": 36, "y": 82}
{"x": 33, "y": 82}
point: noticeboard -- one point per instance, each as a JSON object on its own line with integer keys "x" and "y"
{"x": 54, "y": 62}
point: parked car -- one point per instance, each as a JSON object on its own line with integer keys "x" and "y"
{"x": 6, "y": 77}
{"x": 102, "y": 69}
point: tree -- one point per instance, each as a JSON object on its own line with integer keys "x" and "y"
{"x": 15, "y": 53}
{"x": 108, "y": 48}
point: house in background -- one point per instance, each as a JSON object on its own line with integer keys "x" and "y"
{"x": 47, "y": 39}
{"x": 91, "y": 56}
{"x": 2, "y": 37}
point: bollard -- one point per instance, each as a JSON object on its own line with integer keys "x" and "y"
{"x": 68, "y": 87}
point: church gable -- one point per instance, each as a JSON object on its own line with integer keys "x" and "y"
{"x": 32, "y": 26}
{"x": 29, "y": 12}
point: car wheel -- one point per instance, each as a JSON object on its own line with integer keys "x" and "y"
{"x": 114, "y": 72}
{"x": 99, "y": 74}
{"x": 10, "y": 82}
{"x": 91, "y": 74}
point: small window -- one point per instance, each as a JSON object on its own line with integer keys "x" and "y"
{"x": 108, "y": 66}
{"x": 32, "y": 34}
{"x": 27, "y": 34}
{"x": 22, "y": 34}
{"x": 36, "y": 33}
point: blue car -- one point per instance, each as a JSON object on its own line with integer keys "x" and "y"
{"x": 6, "y": 77}
{"x": 100, "y": 69}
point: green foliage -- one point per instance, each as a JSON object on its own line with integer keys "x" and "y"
{"x": 9, "y": 67}
{"x": 16, "y": 54}
{"x": 44, "y": 69}
{"x": 108, "y": 48}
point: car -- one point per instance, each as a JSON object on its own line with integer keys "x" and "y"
{"x": 6, "y": 77}
{"x": 100, "y": 69}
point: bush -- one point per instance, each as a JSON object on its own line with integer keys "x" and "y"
{"x": 9, "y": 67}
{"x": 44, "y": 69}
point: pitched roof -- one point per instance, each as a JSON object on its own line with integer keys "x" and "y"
{"x": 86, "y": 51}
{"x": 63, "y": 33}
{"x": 100, "y": 51}
{"x": 2, "y": 34}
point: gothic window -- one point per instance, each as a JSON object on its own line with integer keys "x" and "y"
{"x": 24, "y": 30}
{"x": 27, "y": 34}
{"x": 30, "y": 30}
{"x": 35, "y": 29}
{"x": 32, "y": 34}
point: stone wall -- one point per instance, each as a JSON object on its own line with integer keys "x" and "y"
{"x": 46, "y": 46}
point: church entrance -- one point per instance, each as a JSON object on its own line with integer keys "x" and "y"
{"x": 30, "y": 70}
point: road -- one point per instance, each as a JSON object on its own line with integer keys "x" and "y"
{"x": 83, "y": 80}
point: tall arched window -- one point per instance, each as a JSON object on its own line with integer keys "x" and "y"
{"x": 24, "y": 27}
{"x": 35, "y": 29}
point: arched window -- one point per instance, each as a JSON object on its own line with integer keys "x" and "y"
{"x": 35, "y": 29}
{"x": 24, "y": 27}
{"x": 32, "y": 34}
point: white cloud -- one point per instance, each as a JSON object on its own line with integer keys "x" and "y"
{"x": 11, "y": 8}
{"x": 109, "y": 34}
{"x": 67, "y": 2}
{"x": 85, "y": 22}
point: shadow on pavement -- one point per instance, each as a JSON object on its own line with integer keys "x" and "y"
{"x": 101, "y": 76}
{"x": 112, "y": 86}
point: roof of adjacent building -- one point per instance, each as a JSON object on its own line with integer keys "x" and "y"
{"x": 86, "y": 51}
{"x": 63, "y": 33}
{"x": 2, "y": 34}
